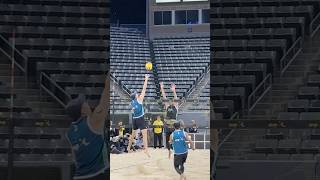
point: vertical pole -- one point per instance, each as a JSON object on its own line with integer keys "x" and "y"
{"x": 204, "y": 141}
{"x": 11, "y": 123}
{"x": 113, "y": 99}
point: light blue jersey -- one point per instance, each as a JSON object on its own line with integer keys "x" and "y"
{"x": 179, "y": 142}
{"x": 89, "y": 150}
{"x": 138, "y": 110}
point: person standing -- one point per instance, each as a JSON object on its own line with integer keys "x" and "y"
{"x": 157, "y": 130}
{"x": 179, "y": 140}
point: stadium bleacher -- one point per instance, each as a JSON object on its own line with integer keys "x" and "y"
{"x": 66, "y": 43}
{"x": 186, "y": 58}
{"x": 261, "y": 39}
{"x": 252, "y": 42}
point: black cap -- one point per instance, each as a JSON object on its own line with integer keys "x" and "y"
{"x": 73, "y": 108}
{"x": 177, "y": 125}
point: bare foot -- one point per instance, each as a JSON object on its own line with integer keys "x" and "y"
{"x": 183, "y": 177}
{"x": 147, "y": 153}
{"x": 129, "y": 150}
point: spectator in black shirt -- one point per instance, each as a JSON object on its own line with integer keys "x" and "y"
{"x": 194, "y": 127}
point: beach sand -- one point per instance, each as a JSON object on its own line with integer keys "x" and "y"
{"x": 137, "y": 166}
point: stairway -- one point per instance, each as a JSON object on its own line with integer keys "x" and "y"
{"x": 155, "y": 70}
{"x": 118, "y": 90}
{"x": 200, "y": 86}
{"x": 195, "y": 94}
{"x": 29, "y": 91}
{"x": 285, "y": 88}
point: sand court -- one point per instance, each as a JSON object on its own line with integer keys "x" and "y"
{"x": 136, "y": 166}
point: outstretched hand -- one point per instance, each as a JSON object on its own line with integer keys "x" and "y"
{"x": 161, "y": 85}
{"x": 146, "y": 76}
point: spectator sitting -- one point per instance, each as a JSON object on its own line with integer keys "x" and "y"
{"x": 194, "y": 128}
{"x": 120, "y": 129}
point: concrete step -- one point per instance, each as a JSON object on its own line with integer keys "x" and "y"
{"x": 297, "y": 67}
{"x": 277, "y": 99}
{"x": 288, "y": 80}
{"x": 54, "y": 111}
{"x": 257, "y": 117}
{"x": 27, "y": 92}
{"x": 269, "y": 105}
{"x": 37, "y": 98}
{"x": 303, "y": 61}
{"x": 284, "y": 87}
{"x": 296, "y": 74}
{"x": 39, "y": 104}
{"x": 277, "y": 92}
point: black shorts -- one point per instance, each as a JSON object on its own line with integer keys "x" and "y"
{"x": 139, "y": 123}
{"x": 102, "y": 176}
{"x": 180, "y": 158}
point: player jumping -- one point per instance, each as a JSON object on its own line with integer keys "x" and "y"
{"x": 172, "y": 111}
{"x": 86, "y": 136}
{"x": 138, "y": 121}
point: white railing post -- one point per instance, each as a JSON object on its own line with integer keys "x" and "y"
{"x": 204, "y": 141}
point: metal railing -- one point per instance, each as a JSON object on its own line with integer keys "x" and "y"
{"x": 53, "y": 89}
{"x": 140, "y": 27}
{"x": 314, "y": 26}
{"x": 290, "y": 55}
{"x": 204, "y": 141}
{"x": 255, "y": 96}
{"x": 191, "y": 90}
{"x": 215, "y": 160}
{"x": 20, "y": 61}
{"x": 123, "y": 87}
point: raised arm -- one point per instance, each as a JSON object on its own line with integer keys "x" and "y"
{"x": 144, "y": 88}
{"x": 163, "y": 92}
{"x": 98, "y": 117}
{"x": 175, "y": 97}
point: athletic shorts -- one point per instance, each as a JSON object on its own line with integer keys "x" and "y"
{"x": 139, "y": 123}
{"x": 102, "y": 176}
{"x": 180, "y": 158}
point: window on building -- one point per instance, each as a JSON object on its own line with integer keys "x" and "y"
{"x": 157, "y": 18}
{"x": 205, "y": 16}
{"x": 166, "y": 17}
{"x": 181, "y": 17}
{"x": 192, "y": 17}
{"x": 162, "y": 18}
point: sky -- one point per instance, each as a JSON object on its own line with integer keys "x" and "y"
{"x": 128, "y": 11}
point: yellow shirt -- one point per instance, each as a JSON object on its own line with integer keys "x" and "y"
{"x": 158, "y": 126}
{"x": 121, "y": 131}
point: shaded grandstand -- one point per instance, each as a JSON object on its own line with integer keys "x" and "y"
{"x": 60, "y": 50}
{"x": 265, "y": 67}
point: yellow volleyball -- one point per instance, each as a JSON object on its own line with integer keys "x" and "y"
{"x": 148, "y": 66}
